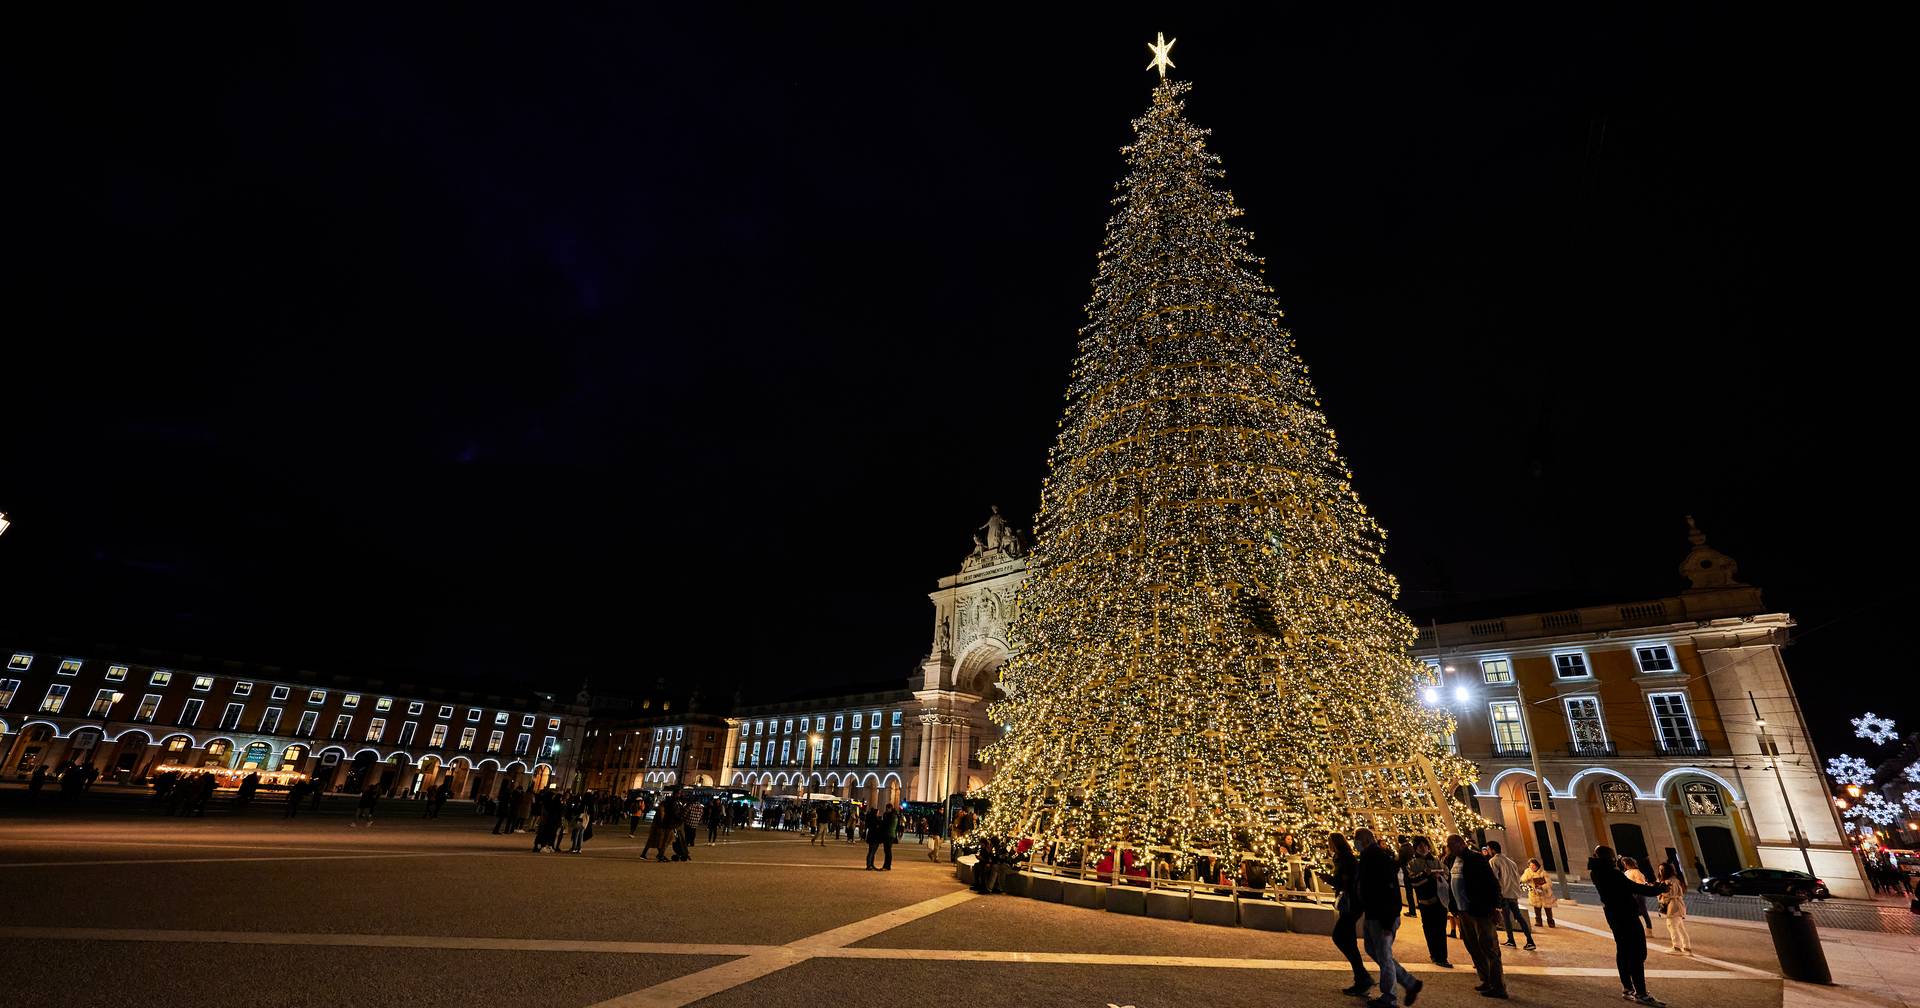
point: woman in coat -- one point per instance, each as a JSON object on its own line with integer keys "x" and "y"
{"x": 547, "y": 833}
{"x": 1673, "y": 903}
{"x": 1621, "y": 899}
{"x": 1346, "y": 888}
{"x": 1539, "y": 891}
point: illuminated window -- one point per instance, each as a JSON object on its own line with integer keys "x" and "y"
{"x": 1672, "y": 721}
{"x": 202, "y": 683}
{"x": 20, "y": 663}
{"x": 149, "y": 708}
{"x": 1572, "y": 665}
{"x": 495, "y": 740}
{"x": 553, "y": 724}
{"x": 804, "y": 722}
{"x": 1496, "y": 670}
{"x": 856, "y": 720}
{"x": 8, "y": 687}
{"x": 406, "y": 733}
{"x": 230, "y": 718}
{"x": 1654, "y": 657}
{"x": 756, "y": 754}
{"x": 293, "y": 755}
{"x": 1509, "y": 735}
{"x": 281, "y": 692}
{"x": 873, "y": 750}
{"x": 309, "y": 723}
{"x": 1617, "y": 797}
{"x": 896, "y": 721}
{"x": 874, "y": 721}
{"x": 350, "y": 701}
{"x": 840, "y": 723}
{"x": 318, "y": 696}
{"x": 438, "y": 737}
{"x": 466, "y": 737}
{"x": 786, "y": 750}
{"x": 217, "y": 748}
{"x": 415, "y": 707}
{"x": 190, "y": 712}
{"x": 521, "y": 743}
{"x": 178, "y": 743}
{"x": 69, "y": 666}
{"x": 243, "y": 689}
{"x": 102, "y": 703}
{"x": 893, "y": 753}
{"x": 1584, "y": 726}
{"x": 342, "y": 723}
{"x": 500, "y": 717}
{"x": 549, "y": 747}
{"x": 742, "y": 758}
{"x": 1703, "y": 799}
{"x": 676, "y": 755}
{"x": 55, "y": 699}
{"x": 270, "y": 720}
{"x": 116, "y": 673}
{"x": 160, "y": 677}
{"x": 383, "y": 705}
{"x": 376, "y": 728}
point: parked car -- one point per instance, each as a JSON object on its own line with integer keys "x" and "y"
{"x": 1765, "y": 882}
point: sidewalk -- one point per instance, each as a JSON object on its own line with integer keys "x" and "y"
{"x": 1887, "y": 915}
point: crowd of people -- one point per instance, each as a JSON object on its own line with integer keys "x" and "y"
{"x": 1470, "y": 895}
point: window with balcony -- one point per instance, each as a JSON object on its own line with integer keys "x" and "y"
{"x": 873, "y": 750}
{"x": 742, "y": 758}
{"x": 756, "y": 754}
{"x": 1509, "y": 733}
{"x": 1673, "y": 723}
{"x": 190, "y": 712}
{"x": 269, "y": 721}
{"x": 342, "y": 723}
{"x": 8, "y": 687}
{"x": 149, "y": 708}
{"x": 836, "y": 752}
{"x": 406, "y": 733}
{"x": 55, "y": 699}
{"x": 1585, "y": 730}
{"x": 1571, "y": 665}
{"x": 438, "y": 737}
{"x": 466, "y": 738}
{"x": 230, "y": 718}
{"x": 786, "y": 751}
{"x": 496, "y": 741}
{"x": 102, "y": 704}
{"x": 376, "y": 729}
{"x": 893, "y": 755}
{"x": 1496, "y": 671}
{"x": 309, "y": 723}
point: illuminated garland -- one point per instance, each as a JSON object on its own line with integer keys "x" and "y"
{"x": 1206, "y": 632}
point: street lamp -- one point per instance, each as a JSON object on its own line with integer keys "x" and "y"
{"x": 813, "y": 760}
{"x": 1853, "y": 790}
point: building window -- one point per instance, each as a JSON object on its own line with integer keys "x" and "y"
{"x": 742, "y": 758}
{"x": 243, "y": 689}
{"x": 676, "y": 755}
{"x": 856, "y": 720}
{"x": 789, "y": 728}
{"x": 521, "y": 743}
{"x": 55, "y": 699}
{"x": 446, "y": 710}
{"x": 438, "y": 737}
{"x": 292, "y": 757}
{"x": 874, "y": 720}
{"x": 230, "y": 718}
{"x": 318, "y": 696}
{"x": 149, "y": 708}
{"x": 178, "y": 743}
{"x": 309, "y": 723}
{"x": 160, "y": 677}
{"x": 383, "y": 705}
{"x": 1533, "y": 796}
{"x": 1572, "y": 665}
{"x": 786, "y": 750}
{"x": 805, "y": 723}
{"x": 102, "y": 703}
{"x": 836, "y": 751}
{"x": 415, "y": 707}
{"x": 896, "y": 719}
{"x": 893, "y": 752}
{"x": 756, "y": 754}
{"x": 553, "y": 724}
{"x": 376, "y": 728}
{"x": 873, "y": 750}
{"x": 406, "y": 733}
{"x": 1616, "y": 797}
{"x": 69, "y": 666}
{"x": 526, "y": 721}
{"x": 1702, "y": 799}
{"x": 1584, "y": 726}
{"x": 116, "y": 673}
{"x": 8, "y": 687}
{"x": 350, "y": 701}
{"x": 1496, "y": 670}
{"x": 840, "y": 724}
{"x": 270, "y": 720}
{"x": 1654, "y": 657}
{"x": 473, "y": 714}
{"x": 466, "y": 737}
{"x": 281, "y": 692}
{"x": 548, "y": 747}
{"x": 190, "y": 712}
{"x": 1509, "y": 735}
{"x": 495, "y": 740}
{"x": 341, "y": 724}
{"x": 19, "y": 663}
{"x": 1673, "y": 722}
{"x": 202, "y": 683}
{"x": 500, "y": 717}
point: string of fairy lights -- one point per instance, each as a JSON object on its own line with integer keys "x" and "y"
{"x": 1207, "y": 634}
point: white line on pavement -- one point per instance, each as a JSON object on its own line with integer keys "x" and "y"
{"x": 1209, "y": 962}
{"x": 382, "y": 941}
{"x": 1723, "y": 964}
{"x": 708, "y": 982}
{"x": 234, "y": 860}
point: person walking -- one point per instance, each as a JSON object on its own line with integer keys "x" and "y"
{"x": 1428, "y": 877}
{"x": 636, "y": 811}
{"x": 872, "y": 826}
{"x": 1539, "y": 887}
{"x": 1673, "y": 904}
{"x": 1622, "y": 901}
{"x": 1380, "y": 903}
{"x": 889, "y": 834}
{"x": 1509, "y": 875}
{"x": 1405, "y": 854}
{"x": 657, "y": 834}
{"x": 1631, "y": 869}
{"x": 715, "y": 813}
{"x": 696, "y": 817}
{"x": 580, "y": 824}
{"x": 677, "y": 828}
{"x": 549, "y": 812}
{"x": 1345, "y": 881}
{"x": 1476, "y": 899}
{"x": 503, "y": 809}
{"x": 368, "y": 796}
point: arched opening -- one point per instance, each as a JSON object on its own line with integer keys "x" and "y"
{"x": 290, "y": 760}
{"x": 1706, "y": 830}
{"x": 83, "y": 745}
{"x": 256, "y": 756}
{"x": 217, "y": 753}
{"x": 360, "y": 772}
{"x": 542, "y": 776}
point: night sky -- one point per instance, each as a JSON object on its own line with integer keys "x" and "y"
{"x": 539, "y": 346}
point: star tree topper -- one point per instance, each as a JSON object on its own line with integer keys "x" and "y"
{"x": 1160, "y": 47}
{"x": 1877, "y": 730}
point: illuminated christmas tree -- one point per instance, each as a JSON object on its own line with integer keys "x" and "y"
{"x": 1208, "y": 654}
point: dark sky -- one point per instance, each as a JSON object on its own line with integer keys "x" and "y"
{"x": 592, "y": 341}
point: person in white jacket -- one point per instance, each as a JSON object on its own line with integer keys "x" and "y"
{"x": 1673, "y": 903}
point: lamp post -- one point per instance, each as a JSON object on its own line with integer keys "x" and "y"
{"x": 813, "y": 758}
{"x": 1773, "y": 760}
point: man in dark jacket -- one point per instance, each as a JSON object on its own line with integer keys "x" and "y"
{"x": 1476, "y": 898}
{"x": 1620, "y": 899}
{"x": 1380, "y": 901}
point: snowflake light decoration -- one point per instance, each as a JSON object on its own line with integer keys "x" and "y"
{"x": 1911, "y": 800}
{"x": 1875, "y": 809}
{"x": 1913, "y": 773}
{"x": 1850, "y": 770}
{"x": 1877, "y": 730}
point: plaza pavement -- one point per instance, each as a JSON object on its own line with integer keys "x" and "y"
{"x": 120, "y": 907}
